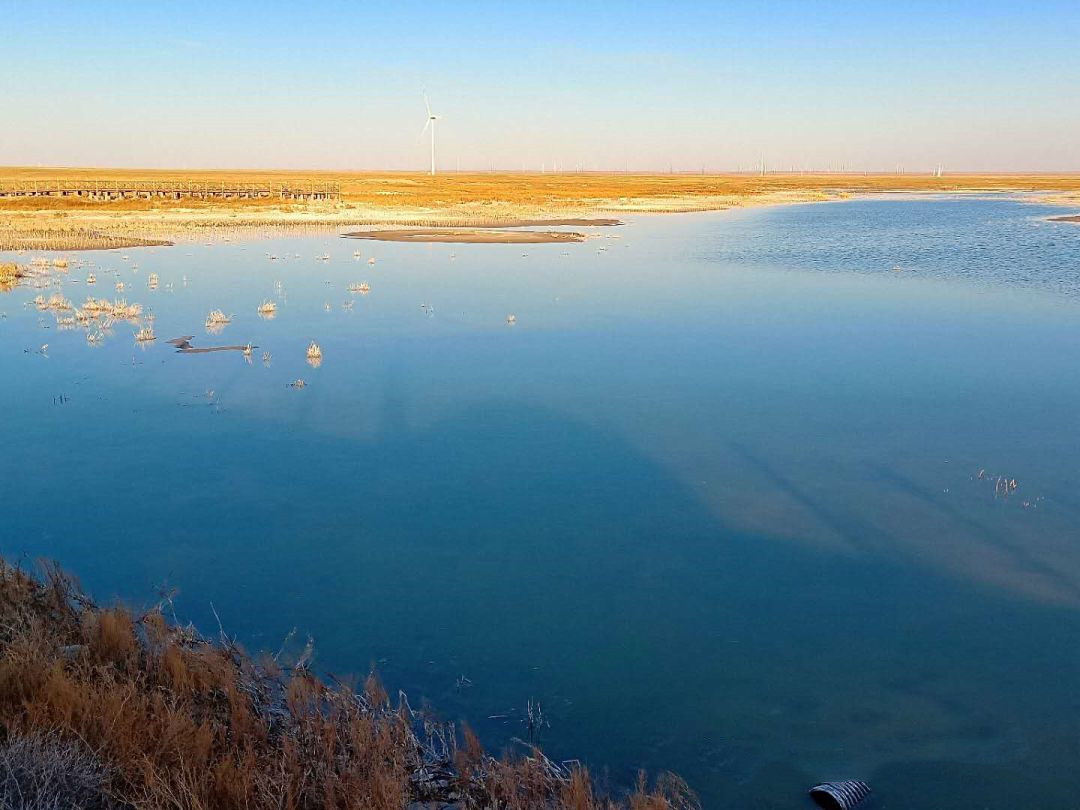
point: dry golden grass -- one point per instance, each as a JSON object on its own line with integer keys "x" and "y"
{"x": 152, "y": 716}
{"x": 410, "y": 190}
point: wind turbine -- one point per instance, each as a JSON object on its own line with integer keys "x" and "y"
{"x": 430, "y": 124}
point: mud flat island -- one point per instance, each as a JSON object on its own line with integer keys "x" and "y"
{"x": 1071, "y": 218}
{"x": 476, "y": 236}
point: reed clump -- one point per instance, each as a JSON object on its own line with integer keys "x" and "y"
{"x": 217, "y": 319}
{"x": 58, "y": 302}
{"x": 108, "y": 708}
{"x": 118, "y": 309}
{"x": 10, "y": 274}
{"x": 41, "y": 235}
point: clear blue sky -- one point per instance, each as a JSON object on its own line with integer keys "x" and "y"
{"x": 973, "y": 85}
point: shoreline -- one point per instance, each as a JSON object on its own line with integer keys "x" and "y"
{"x": 100, "y": 228}
{"x": 59, "y": 221}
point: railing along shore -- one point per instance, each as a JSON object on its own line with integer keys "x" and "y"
{"x": 169, "y": 189}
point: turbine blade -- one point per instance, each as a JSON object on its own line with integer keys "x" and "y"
{"x": 428, "y": 106}
{"x": 427, "y": 125}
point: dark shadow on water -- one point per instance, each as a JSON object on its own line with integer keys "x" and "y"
{"x": 854, "y": 533}
{"x": 1020, "y": 554}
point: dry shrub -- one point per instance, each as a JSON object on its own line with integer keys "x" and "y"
{"x": 49, "y": 773}
{"x": 103, "y": 708}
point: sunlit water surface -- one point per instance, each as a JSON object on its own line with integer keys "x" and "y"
{"x": 713, "y": 499}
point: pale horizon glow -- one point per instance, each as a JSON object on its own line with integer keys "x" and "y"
{"x": 976, "y": 87}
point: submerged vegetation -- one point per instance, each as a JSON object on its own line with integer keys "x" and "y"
{"x": 96, "y": 316}
{"x": 216, "y": 321}
{"x": 110, "y": 708}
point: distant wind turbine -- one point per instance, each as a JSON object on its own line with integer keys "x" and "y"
{"x": 430, "y": 124}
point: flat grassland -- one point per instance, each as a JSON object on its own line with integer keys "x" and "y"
{"x": 415, "y": 199}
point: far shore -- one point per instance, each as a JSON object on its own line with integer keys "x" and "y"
{"x": 61, "y": 220}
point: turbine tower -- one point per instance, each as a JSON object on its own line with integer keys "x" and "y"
{"x": 430, "y": 124}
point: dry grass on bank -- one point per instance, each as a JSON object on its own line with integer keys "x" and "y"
{"x": 103, "y": 708}
{"x": 412, "y": 190}
{"x": 71, "y": 238}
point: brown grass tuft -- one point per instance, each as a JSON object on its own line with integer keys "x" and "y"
{"x": 10, "y": 273}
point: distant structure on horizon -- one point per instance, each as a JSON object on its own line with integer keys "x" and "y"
{"x": 430, "y": 124}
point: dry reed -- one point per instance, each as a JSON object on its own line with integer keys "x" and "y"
{"x": 217, "y": 320}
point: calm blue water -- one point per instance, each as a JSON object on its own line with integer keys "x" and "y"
{"x": 714, "y": 499}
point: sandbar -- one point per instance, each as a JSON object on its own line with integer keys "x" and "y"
{"x": 468, "y": 235}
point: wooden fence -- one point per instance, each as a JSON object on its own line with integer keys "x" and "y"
{"x": 169, "y": 189}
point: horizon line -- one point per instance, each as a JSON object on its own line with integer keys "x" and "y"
{"x": 706, "y": 172}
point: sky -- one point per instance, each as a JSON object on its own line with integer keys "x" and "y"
{"x": 657, "y": 86}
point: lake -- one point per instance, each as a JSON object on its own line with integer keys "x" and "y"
{"x": 733, "y": 496}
